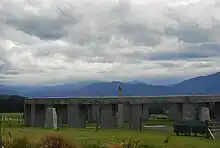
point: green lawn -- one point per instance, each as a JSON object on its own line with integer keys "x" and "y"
{"x": 11, "y": 114}
{"x": 149, "y": 137}
{"x": 159, "y": 122}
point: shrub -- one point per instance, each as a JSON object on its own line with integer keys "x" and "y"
{"x": 57, "y": 141}
{"x": 54, "y": 141}
{"x": 115, "y": 146}
{"x": 17, "y": 143}
{"x": 94, "y": 145}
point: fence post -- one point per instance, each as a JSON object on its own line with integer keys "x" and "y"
{"x": 141, "y": 124}
{"x": 97, "y": 123}
{"x": 18, "y": 120}
{"x": 22, "y": 120}
{"x": 207, "y": 128}
{"x": 10, "y": 123}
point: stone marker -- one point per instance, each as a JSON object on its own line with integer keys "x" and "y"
{"x": 51, "y": 118}
{"x": 204, "y": 114}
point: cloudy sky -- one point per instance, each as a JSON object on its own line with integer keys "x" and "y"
{"x": 59, "y": 40}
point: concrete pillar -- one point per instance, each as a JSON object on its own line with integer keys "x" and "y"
{"x": 212, "y": 110}
{"x": 217, "y": 111}
{"x": 145, "y": 112}
{"x": 90, "y": 117}
{"x": 120, "y": 111}
{"x": 96, "y": 112}
{"x": 136, "y": 114}
{"x": 62, "y": 115}
{"x": 126, "y": 110}
{"x": 59, "y": 116}
{"x": 108, "y": 116}
{"x": 39, "y": 115}
{"x": 77, "y": 115}
{"x": 175, "y": 112}
{"x": 120, "y": 115}
{"x": 27, "y": 115}
{"x": 33, "y": 115}
{"x": 189, "y": 112}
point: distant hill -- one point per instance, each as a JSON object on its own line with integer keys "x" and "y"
{"x": 4, "y": 90}
{"x": 8, "y": 103}
{"x": 209, "y": 84}
{"x": 58, "y": 90}
{"x": 110, "y": 89}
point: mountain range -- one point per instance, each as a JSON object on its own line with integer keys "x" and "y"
{"x": 203, "y": 85}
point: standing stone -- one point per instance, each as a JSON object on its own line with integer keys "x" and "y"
{"x": 217, "y": 111}
{"x": 136, "y": 114}
{"x": 77, "y": 115}
{"x": 211, "y": 110}
{"x": 175, "y": 112}
{"x": 146, "y": 115}
{"x": 33, "y": 114}
{"x": 96, "y": 112}
{"x": 51, "y": 118}
{"x": 108, "y": 116}
{"x": 27, "y": 114}
{"x": 189, "y": 112}
{"x": 204, "y": 114}
{"x": 62, "y": 115}
{"x": 120, "y": 114}
{"x": 127, "y": 112}
{"x": 40, "y": 111}
{"x": 90, "y": 114}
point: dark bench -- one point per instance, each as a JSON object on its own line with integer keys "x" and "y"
{"x": 188, "y": 127}
{"x": 182, "y": 127}
{"x": 198, "y": 127}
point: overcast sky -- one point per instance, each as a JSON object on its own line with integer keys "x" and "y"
{"x": 59, "y": 40}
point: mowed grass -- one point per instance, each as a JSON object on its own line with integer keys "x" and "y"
{"x": 11, "y": 114}
{"x": 149, "y": 137}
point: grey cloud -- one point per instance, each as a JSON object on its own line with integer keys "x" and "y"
{"x": 191, "y": 63}
{"x": 169, "y": 65}
{"x": 191, "y": 51}
{"x": 140, "y": 34}
{"x": 5, "y": 64}
{"x": 69, "y": 22}
{"x": 202, "y": 65}
{"x": 3, "y": 78}
{"x": 177, "y": 55}
{"x": 79, "y": 37}
{"x": 190, "y": 34}
{"x": 44, "y": 28}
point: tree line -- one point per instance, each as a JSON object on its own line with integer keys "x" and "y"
{"x": 11, "y": 104}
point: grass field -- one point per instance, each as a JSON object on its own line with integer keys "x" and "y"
{"x": 149, "y": 137}
{"x": 152, "y": 137}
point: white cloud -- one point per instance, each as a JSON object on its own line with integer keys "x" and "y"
{"x": 59, "y": 40}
